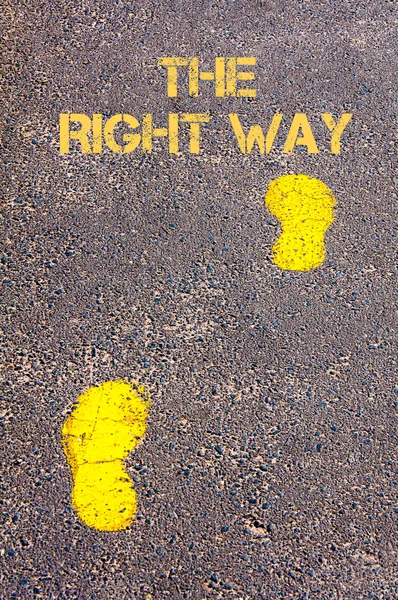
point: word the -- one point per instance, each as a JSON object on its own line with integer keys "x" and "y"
{"x": 225, "y": 76}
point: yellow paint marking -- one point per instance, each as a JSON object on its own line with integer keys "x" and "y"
{"x": 304, "y": 208}
{"x": 103, "y": 429}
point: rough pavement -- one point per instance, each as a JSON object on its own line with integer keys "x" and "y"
{"x": 267, "y": 470}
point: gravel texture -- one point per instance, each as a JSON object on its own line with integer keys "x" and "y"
{"x": 267, "y": 469}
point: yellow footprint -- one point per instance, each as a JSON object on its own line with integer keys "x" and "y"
{"x": 104, "y": 427}
{"x": 304, "y": 208}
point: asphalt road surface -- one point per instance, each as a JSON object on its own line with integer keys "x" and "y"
{"x": 267, "y": 468}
